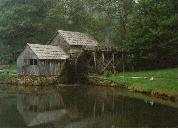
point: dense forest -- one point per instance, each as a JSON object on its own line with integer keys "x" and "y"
{"x": 146, "y": 30}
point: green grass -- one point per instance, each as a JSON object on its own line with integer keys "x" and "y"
{"x": 163, "y": 73}
{"x": 164, "y": 81}
{"x": 8, "y": 71}
{"x": 12, "y": 67}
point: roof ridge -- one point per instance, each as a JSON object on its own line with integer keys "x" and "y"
{"x": 71, "y": 31}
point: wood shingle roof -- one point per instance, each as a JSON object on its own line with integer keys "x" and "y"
{"x": 77, "y": 38}
{"x": 48, "y": 51}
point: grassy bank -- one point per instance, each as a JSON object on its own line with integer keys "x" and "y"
{"x": 8, "y": 71}
{"x": 156, "y": 81}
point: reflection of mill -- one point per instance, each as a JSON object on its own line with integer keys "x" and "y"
{"x": 84, "y": 107}
{"x": 40, "y": 109}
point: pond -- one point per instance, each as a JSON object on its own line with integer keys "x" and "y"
{"x": 85, "y": 107}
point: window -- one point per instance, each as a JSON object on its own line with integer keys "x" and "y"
{"x": 31, "y": 62}
{"x": 35, "y": 62}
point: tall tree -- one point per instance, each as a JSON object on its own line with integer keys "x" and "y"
{"x": 153, "y": 33}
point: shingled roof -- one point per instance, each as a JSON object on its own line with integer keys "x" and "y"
{"x": 48, "y": 51}
{"x": 77, "y": 38}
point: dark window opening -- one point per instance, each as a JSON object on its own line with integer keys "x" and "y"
{"x": 33, "y": 108}
{"x": 33, "y": 62}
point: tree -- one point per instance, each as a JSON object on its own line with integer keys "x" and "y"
{"x": 22, "y": 19}
{"x": 153, "y": 32}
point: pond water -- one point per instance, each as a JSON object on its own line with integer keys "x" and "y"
{"x": 84, "y": 107}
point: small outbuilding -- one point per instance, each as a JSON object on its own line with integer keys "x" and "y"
{"x": 41, "y": 60}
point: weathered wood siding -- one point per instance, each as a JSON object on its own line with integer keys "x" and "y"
{"x": 70, "y": 49}
{"x": 43, "y": 67}
{"x": 24, "y": 69}
{"x": 51, "y": 67}
{"x": 75, "y": 49}
{"x": 59, "y": 41}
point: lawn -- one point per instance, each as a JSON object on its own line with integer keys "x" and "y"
{"x": 156, "y": 81}
{"x": 8, "y": 71}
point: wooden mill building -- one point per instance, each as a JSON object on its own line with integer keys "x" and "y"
{"x": 72, "y": 42}
{"x": 64, "y": 47}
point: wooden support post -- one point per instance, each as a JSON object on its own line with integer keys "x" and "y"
{"x": 94, "y": 57}
{"x": 76, "y": 77}
{"x": 103, "y": 61}
{"x": 94, "y": 109}
{"x": 113, "y": 104}
{"x": 103, "y": 57}
{"x": 108, "y": 63}
{"x": 113, "y": 63}
{"x": 102, "y": 108}
{"x": 123, "y": 64}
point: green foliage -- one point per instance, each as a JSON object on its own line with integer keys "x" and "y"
{"x": 19, "y": 18}
{"x": 35, "y": 21}
{"x": 147, "y": 30}
{"x": 153, "y": 32}
{"x": 21, "y": 22}
{"x": 107, "y": 73}
{"x": 7, "y": 74}
{"x": 8, "y": 71}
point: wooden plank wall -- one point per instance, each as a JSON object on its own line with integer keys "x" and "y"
{"x": 50, "y": 67}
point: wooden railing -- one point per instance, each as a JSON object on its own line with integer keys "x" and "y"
{"x": 100, "y": 48}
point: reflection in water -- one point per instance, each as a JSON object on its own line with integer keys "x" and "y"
{"x": 39, "y": 109}
{"x": 92, "y": 107}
